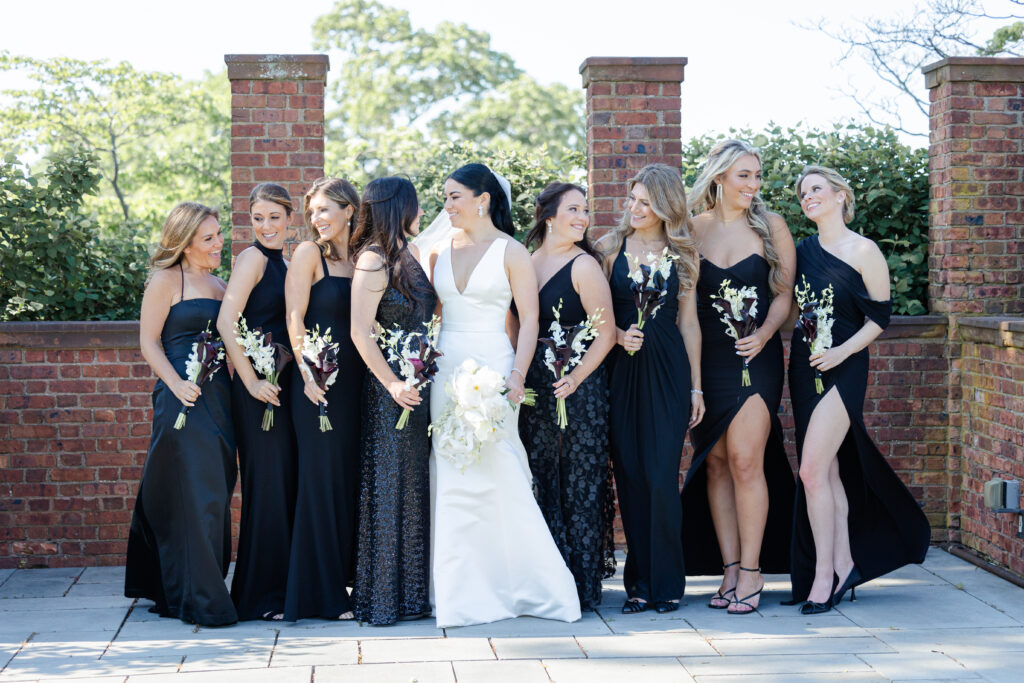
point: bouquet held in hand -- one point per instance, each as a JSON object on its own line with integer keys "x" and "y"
{"x": 649, "y": 284}
{"x": 207, "y": 358}
{"x": 815, "y": 321}
{"x": 268, "y": 358}
{"x": 565, "y": 349}
{"x": 417, "y": 367}
{"x": 321, "y": 356}
{"x": 739, "y": 313}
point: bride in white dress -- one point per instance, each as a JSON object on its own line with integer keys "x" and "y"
{"x": 492, "y": 554}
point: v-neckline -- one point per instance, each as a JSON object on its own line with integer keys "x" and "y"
{"x": 558, "y": 272}
{"x": 472, "y": 272}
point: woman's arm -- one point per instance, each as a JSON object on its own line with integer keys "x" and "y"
{"x": 689, "y": 328}
{"x": 523, "y": 281}
{"x": 156, "y": 304}
{"x": 297, "y": 283}
{"x": 248, "y": 271}
{"x": 595, "y": 294}
{"x": 782, "y": 303}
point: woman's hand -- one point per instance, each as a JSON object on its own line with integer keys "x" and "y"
{"x": 309, "y": 387}
{"x": 262, "y": 390}
{"x": 404, "y": 396}
{"x": 514, "y": 384}
{"x": 631, "y": 339}
{"x": 565, "y": 387}
{"x": 828, "y": 360}
{"x": 750, "y": 346}
{"x": 696, "y": 408}
{"x": 186, "y": 392}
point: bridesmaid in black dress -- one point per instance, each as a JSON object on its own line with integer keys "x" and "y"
{"x": 738, "y": 495}
{"x": 571, "y": 469}
{"x": 317, "y": 292}
{"x": 389, "y": 288}
{"x": 854, "y": 518}
{"x": 654, "y": 389}
{"x": 266, "y": 459}
{"x": 179, "y": 545}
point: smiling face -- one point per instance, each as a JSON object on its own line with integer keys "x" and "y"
{"x": 462, "y": 207}
{"x": 818, "y": 200}
{"x": 203, "y": 252}
{"x": 269, "y": 223}
{"x": 572, "y": 218}
{"x": 329, "y": 218}
{"x": 641, "y": 215}
{"x": 741, "y": 182}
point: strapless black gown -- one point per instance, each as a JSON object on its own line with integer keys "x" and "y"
{"x": 888, "y": 529}
{"x": 392, "y": 577}
{"x": 266, "y": 461}
{"x": 724, "y": 395}
{"x": 323, "y": 535}
{"x": 649, "y": 393}
{"x": 179, "y": 544}
{"x": 571, "y": 468}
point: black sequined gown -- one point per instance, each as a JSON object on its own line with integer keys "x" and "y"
{"x": 571, "y": 468}
{"x": 887, "y": 527}
{"x": 323, "y": 535}
{"x": 724, "y": 395}
{"x": 649, "y": 396}
{"x": 393, "y": 546}
{"x": 266, "y": 462}
{"x": 179, "y": 544}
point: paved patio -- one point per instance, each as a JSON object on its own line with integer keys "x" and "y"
{"x": 945, "y": 620}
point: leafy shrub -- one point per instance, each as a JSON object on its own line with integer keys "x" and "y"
{"x": 54, "y": 263}
{"x": 890, "y": 181}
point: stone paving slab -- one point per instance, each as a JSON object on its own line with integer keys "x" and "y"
{"x": 106, "y": 619}
{"x": 424, "y": 672}
{"x": 5, "y": 574}
{"x": 310, "y": 652}
{"x": 795, "y": 646}
{"x": 537, "y": 648}
{"x": 297, "y": 674}
{"x": 715, "y": 624}
{"x": 501, "y": 672}
{"x": 39, "y": 583}
{"x": 646, "y": 645}
{"x": 103, "y": 575}
{"x": 738, "y": 665}
{"x": 916, "y": 607}
{"x": 795, "y": 678}
{"x": 435, "y": 650}
{"x": 647, "y": 670}
{"x": 590, "y": 624}
{"x": 64, "y": 603}
{"x": 907, "y": 666}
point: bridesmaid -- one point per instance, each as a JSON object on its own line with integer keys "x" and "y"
{"x": 654, "y": 388}
{"x": 317, "y": 292}
{"x": 179, "y": 545}
{"x": 389, "y": 288}
{"x": 266, "y": 459}
{"x": 855, "y": 520}
{"x": 740, "y": 479}
{"x": 571, "y": 469}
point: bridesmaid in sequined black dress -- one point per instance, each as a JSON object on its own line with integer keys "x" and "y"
{"x": 317, "y": 292}
{"x": 390, "y": 289}
{"x": 266, "y": 459}
{"x": 571, "y": 467}
{"x": 179, "y": 545}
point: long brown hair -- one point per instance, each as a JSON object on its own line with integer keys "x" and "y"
{"x": 548, "y": 202}
{"x": 179, "y": 229}
{"x": 339, "y": 191}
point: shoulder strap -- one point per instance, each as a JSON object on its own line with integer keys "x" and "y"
{"x": 181, "y": 268}
{"x": 323, "y": 261}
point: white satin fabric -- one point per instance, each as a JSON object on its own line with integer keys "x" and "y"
{"x": 493, "y": 556}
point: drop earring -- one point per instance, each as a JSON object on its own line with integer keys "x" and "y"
{"x": 480, "y": 211}
{"x": 718, "y": 193}
{"x": 549, "y": 227}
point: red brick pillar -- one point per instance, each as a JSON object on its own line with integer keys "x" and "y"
{"x": 277, "y": 130}
{"x": 976, "y": 235}
{"x": 633, "y": 117}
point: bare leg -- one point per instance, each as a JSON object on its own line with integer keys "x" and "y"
{"x": 721, "y": 501}
{"x": 842, "y": 557}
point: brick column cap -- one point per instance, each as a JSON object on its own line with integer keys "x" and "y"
{"x": 277, "y": 67}
{"x": 983, "y": 69}
{"x": 645, "y": 69}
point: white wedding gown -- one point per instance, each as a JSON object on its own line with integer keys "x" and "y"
{"x": 493, "y": 556}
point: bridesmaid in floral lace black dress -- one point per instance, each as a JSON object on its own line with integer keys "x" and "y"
{"x": 389, "y": 288}
{"x": 571, "y": 468}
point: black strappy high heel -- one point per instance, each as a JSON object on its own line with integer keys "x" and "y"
{"x": 811, "y": 607}
{"x": 719, "y": 595}
{"x": 743, "y": 601}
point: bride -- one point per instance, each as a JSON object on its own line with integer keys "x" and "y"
{"x": 493, "y": 556}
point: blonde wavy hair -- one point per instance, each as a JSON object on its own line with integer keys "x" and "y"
{"x": 668, "y": 201}
{"x": 836, "y": 182}
{"x": 340, "y": 192}
{"x": 706, "y": 194}
{"x": 177, "y": 233}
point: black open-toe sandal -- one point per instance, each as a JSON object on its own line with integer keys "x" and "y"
{"x": 634, "y": 606}
{"x": 664, "y": 606}
{"x": 743, "y": 601}
{"x": 719, "y": 595}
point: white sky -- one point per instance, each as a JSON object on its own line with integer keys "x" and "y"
{"x": 748, "y": 62}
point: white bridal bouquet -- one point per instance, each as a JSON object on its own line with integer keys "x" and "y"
{"x": 206, "y": 359}
{"x": 649, "y": 283}
{"x": 268, "y": 358}
{"x": 815, "y": 321}
{"x": 739, "y": 313}
{"x": 565, "y": 349}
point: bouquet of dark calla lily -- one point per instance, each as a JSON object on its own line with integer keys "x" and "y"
{"x": 418, "y": 367}
{"x": 739, "y": 313}
{"x": 815, "y": 321}
{"x": 649, "y": 284}
{"x": 268, "y": 358}
{"x": 565, "y": 349}
{"x": 207, "y": 357}
{"x": 321, "y": 356}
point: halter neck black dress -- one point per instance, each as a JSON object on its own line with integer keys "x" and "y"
{"x": 724, "y": 395}
{"x": 179, "y": 543}
{"x": 266, "y": 461}
{"x": 571, "y": 469}
{"x": 323, "y": 536}
{"x": 649, "y": 397}
{"x": 888, "y": 529}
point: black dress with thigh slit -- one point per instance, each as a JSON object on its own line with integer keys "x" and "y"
{"x": 724, "y": 396}
{"x": 888, "y": 529}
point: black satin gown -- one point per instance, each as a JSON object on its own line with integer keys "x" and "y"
{"x": 393, "y": 543}
{"x": 571, "y": 469}
{"x": 179, "y": 544}
{"x": 649, "y": 396}
{"x": 266, "y": 462}
{"x": 724, "y": 396}
{"x": 323, "y": 535}
{"x": 888, "y": 529}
